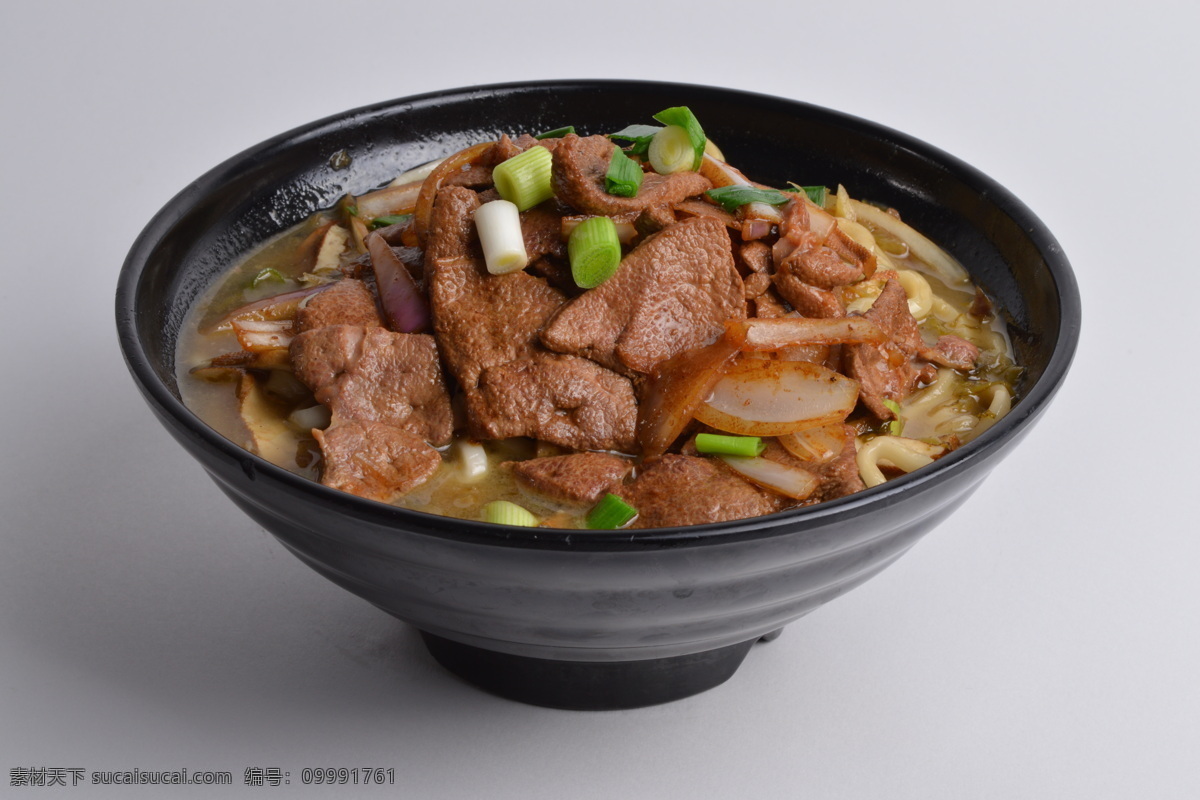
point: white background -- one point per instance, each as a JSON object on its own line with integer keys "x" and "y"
{"x": 1041, "y": 644}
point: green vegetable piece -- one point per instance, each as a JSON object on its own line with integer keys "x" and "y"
{"x": 594, "y": 251}
{"x": 268, "y": 274}
{"x": 557, "y": 133}
{"x": 639, "y": 135}
{"x": 502, "y": 512}
{"x": 731, "y": 198}
{"x": 524, "y": 179}
{"x": 895, "y": 427}
{"x": 611, "y": 512}
{"x": 717, "y": 444}
{"x": 817, "y": 194}
{"x": 684, "y": 118}
{"x": 390, "y": 219}
{"x": 624, "y": 176}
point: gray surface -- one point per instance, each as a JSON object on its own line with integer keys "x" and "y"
{"x": 1043, "y": 643}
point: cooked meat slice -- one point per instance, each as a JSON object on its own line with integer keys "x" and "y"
{"x": 756, "y": 257}
{"x": 756, "y": 284}
{"x": 481, "y": 320}
{"x": 890, "y": 312}
{"x": 839, "y": 476}
{"x": 952, "y": 351}
{"x": 808, "y": 299}
{"x": 819, "y": 267}
{"x": 564, "y": 400}
{"x": 541, "y": 227}
{"x": 488, "y": 325}
{"x": 452, "y": 229}
{"x": 890, "y": 371}
{"x": 581, "y": 478}
{"x": 375, "y": 375}
{"x": 374, "y": 460}
{"x": 580, "y": 164}
{"x": 691, "y": 490}
{"x": 347, "y": 302}
{"x": 673, "y": 292}
{"x": 473, "y": 176}
{"x": 654, "y": 218}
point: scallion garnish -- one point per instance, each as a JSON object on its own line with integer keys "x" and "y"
{"x": 390, "y": 219}
{"x": 610, "y": 512}
{"x": 502, "y": 512}
{"x": 896, "y": 426}
{"x": 683, "y": 117}
{"x": 671, "y": 151}
{"x": 624, "y": 176}
{"x": 557, "y": 133}
{"x": 716, "y": 444}
{"x": 498, "y": 224}
{"x": 815, "y": 193}
{"x": 731, "y": 198}
{"x": 268, "y": 274}
{"x": 594, "y": 251}
{"x": 639, "y": 135}
{"x": 524, "y": 179}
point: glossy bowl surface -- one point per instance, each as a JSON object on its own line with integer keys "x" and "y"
{"x": 600, "y": 619}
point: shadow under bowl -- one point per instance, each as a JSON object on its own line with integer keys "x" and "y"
{"x": 611, "y": 619}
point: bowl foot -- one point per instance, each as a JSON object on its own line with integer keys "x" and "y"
{"x": 590, "y": 685}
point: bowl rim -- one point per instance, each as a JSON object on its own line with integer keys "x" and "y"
{"x": 1029, "y": 406}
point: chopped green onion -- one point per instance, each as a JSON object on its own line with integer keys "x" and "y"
{"x": 639, "y": 135}
{"x": 671, "y": 151}
{"x": 498, "y": 224}
{"x": 557, "y": 133}
{"x": 502, "y": 512}
{"x": 268, "y": 274}
{"x": 896, "y": 426}
{"x": 610, "y": 512}
{"x": 748, "y": 446}
{"x": 594, "y": 251}
{"x": 817, "y": 194}
{"x": 390, "y": 219}
{"x": 624, "y": 176}
{"x": 732, "y": 198}
{"x": 524, "y": 179}
{"x": 684, "y": 118}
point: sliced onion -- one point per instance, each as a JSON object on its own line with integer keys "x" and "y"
{"x": 771, "y": 398}
{"x": 947, "y": 268}
{"x": 402, "y": 301}
{"x": 674, "y": 390}
{"x": 721, "y": 174}
{"x": 816, "y": 445}
{"x": 389, "y": 201}
{"x": 423, "y": 212}
{"x": 279, "y": 306}
{"x": 794, "y": 482}
{"x": 258, "y": 335}
{"x": 776, "y": 333}
{"x": 416, "y": 174}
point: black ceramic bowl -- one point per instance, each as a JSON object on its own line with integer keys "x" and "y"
{"x": 604, "y": 619}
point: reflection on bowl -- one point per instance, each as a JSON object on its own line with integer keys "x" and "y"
{"x": 594, "y": 619}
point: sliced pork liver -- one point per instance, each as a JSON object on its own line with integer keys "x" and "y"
{"x": 347, "y": 302}
{"x": 578, "y": 478}
{"x": 375, "y": 460}
{"x": 673, "y": 292}
{"x": 580, "y": 164}
{"x": 691, "y": 490}
{"x": 375, "y": 375}
{"x": 564, "y": 400}
{"x": 488, "y": 328}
